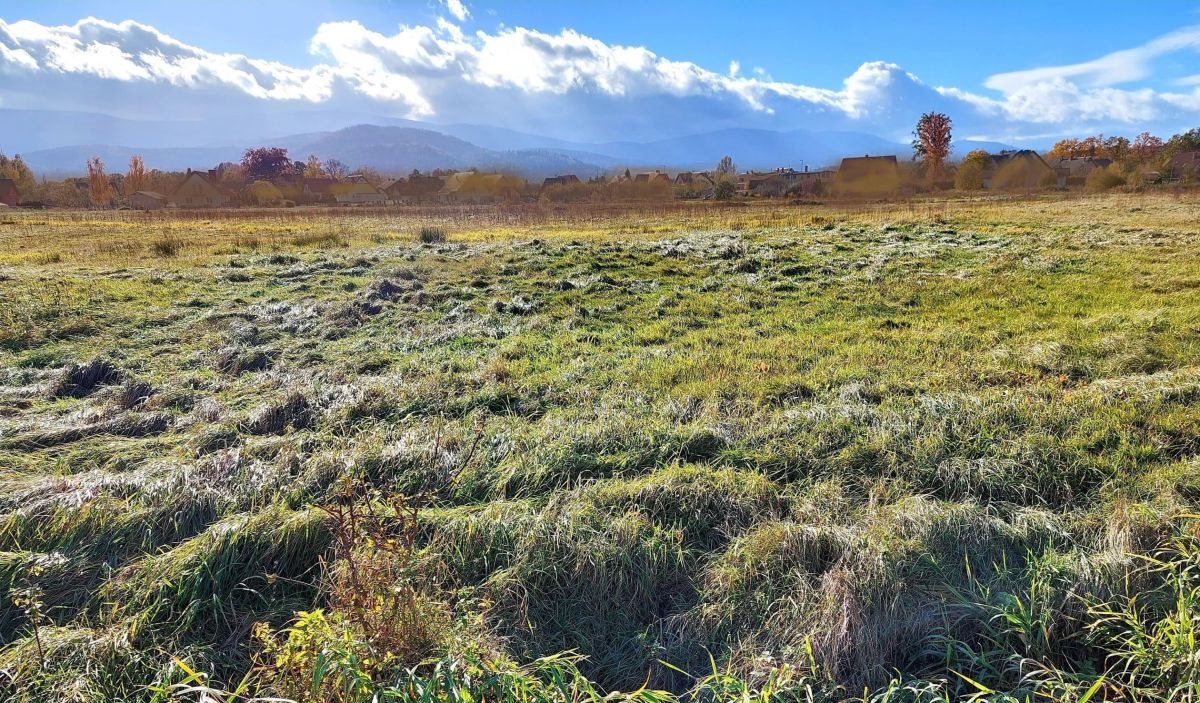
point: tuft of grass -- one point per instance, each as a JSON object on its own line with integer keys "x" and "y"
{"x": 431, "y": 235}
{"x": 166, "y": 246}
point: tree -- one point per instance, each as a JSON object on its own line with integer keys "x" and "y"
{"x": 970, "y": 171}
{"x": 1064, "y": 149}
{"x": 931, "y": 143}
{"x": 724, "y": 189}
{"x": 99, "y": 190}
{"x": 1145, "y": 147}
{"x": 16, "y": 169}
{"x": 266, "y": 163}
{"x": 334, "y": 168}
{"x": 1117, "y": 148}
{"x": 726, "y": 170}
{"x": 1187, "y": 141}
{"x": 135, "y": 179}
{"x": 313, "y": 167}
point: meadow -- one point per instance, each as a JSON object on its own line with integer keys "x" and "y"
{"x": 937, "y": 450}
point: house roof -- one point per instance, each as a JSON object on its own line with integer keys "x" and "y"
{"x": 203, "y": 178}
{"x": 871, "y": 160}
{"x": 1028, "y": 156}
{"x": 646, "y": 176}
{"x": 1187, "y": 160}
{"x": 1078, "y": 166}
{"x": 151, "y": 194}
{"x": 418, "y": 185}
{"x": 319, "y": 186}
{"x": 692, "y": 177}
{"x": 560, "y": 180}
{"x": 354, "y": 189}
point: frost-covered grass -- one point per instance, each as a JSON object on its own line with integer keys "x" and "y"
{"x": 920, "y": 450}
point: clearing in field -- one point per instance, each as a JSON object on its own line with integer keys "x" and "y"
{"x": 920, "y": 451}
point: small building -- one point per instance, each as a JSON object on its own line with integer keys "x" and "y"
{"x": 358, "y": 194}
{"x": 1019, "y": 169}
{"x": 414, "y": 189}
{"x": 1074, "y": 171}
{"x": 199, "y": 190}
{"x": 147, "y": 200}
{"x": 318, "y": 190}
{"x": 868, "y": 176}
{"x": 9, "y": 195}
{"x": 782, "y": 181}
{"x": 695, "y": 179}
{"x": 560, "y": 180}
{"x": 1184, "y": 166}
{"x": 263, "y": 193}
{"x": 651, "y": 176}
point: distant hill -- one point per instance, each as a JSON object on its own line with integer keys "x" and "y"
{"x": 402, "y": 149}
{"x": 72, "y": 160}
{"x": 398, "y": 146}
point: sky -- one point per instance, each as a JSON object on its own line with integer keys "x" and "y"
{"x": 1020, "y": 72}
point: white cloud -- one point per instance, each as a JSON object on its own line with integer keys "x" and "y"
{"x": 570, "y": 80}
{"x": 458, "y": 10}
{"x": 1118, "y": 67}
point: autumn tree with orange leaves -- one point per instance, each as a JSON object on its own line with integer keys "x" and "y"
{"x": 135, "y": 178}
{"x": 931, "y": 144}
{"x": 1145, "y": 147}
{"x": 99, "y": 189}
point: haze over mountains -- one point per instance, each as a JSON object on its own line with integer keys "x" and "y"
{"x": 59, "y": 143}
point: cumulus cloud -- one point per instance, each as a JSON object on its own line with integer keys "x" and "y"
{"x": 529, "y": 78}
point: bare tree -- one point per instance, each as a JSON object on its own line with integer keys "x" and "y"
{"x": 726, "y": 170}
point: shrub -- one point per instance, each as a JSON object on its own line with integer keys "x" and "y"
{"x": 166, "y": 246}
{"x": 724, "y": 190}
{"x": 432, "y": 235}
{"x": 1101, "y": 179}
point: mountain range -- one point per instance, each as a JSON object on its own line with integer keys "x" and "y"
{"x": 60, "y": 143}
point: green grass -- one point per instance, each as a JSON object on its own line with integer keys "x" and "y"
{"x": 919, "y": 450}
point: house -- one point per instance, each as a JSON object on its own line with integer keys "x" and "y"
{"x": 868, "y": 176}
{"x": 317, "y": 190}
{"x": 489, "y": 188}
{"x": 569, "y": 179}
{"x": 9, "y": 195}
{"x": 357, "y": 194}
{"x": 147, "y": 200}
{"x": 651, "y": 176}
{"x": 1074, "y": 171}
{"x": 414, "y": 189}
{"x": 199, "y": 190}
{"x": 263, "y": 193}
{"x": 1184, "y": 166}
{"x": 695, "y": 179}
{"x": 560, "y": 180}
{"x": 1016, "y": 170}
{"x": 782, "y": 181}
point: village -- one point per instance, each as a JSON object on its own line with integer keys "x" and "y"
{"x": 267, "y": 177}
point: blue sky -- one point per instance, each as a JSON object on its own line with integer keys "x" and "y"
{"x": 1014, "y": 70}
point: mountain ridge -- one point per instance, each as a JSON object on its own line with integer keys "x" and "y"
{"x": 404, "y": 145}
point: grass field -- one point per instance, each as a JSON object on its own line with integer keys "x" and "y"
{"x": 891, "y": 452}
